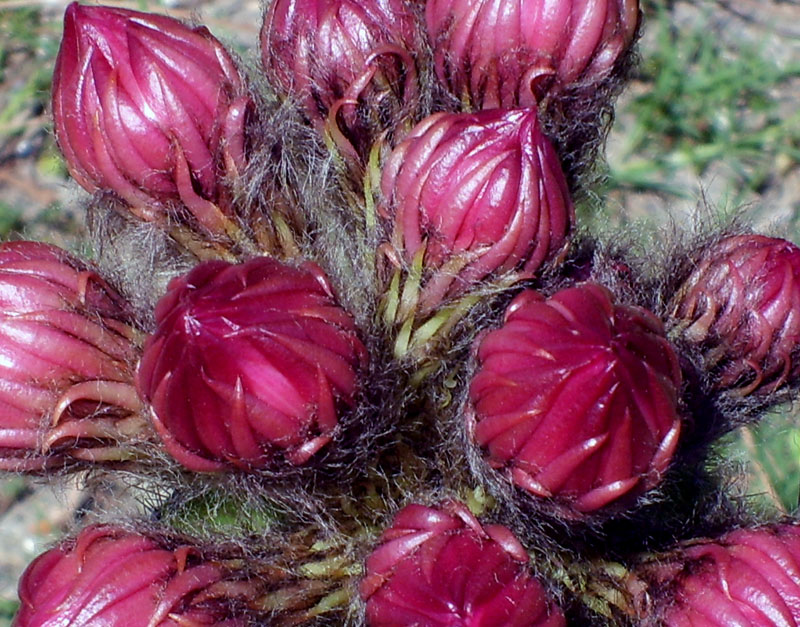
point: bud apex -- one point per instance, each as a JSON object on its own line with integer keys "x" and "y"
{"x": 741, "y": 306}
{"x": 269, "y": 357}
{"x": 478, "y": 194}
{"x": 439, "y": 567}
{"x": 150, "y": 109}
{"x": 353, "y": 54}
{"x": 494, "y": 53}
{"x": 747, "y": 577}
{"x": 111, "y": 576}
{"x": 575, "y": 397}
{"x": 66, "y": 382}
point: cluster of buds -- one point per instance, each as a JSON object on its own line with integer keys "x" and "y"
{"x": 741, "y": 306}
{"x": 111, "y": 576}
{"x": 263, "y": 344}
{"x": 494, "y": 53}
{"x": 349, "y": 65}
{"x": 68, "y": 350}
{"x": 575, "y": 398}
{"x": 440, "y": 567}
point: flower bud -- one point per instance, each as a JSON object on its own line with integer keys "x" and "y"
{"x": 477, "y": 194}
{"x": 741, "y": 306}
{"x": 66, "y": 383}
{"x": 494, "y": 53}
{"x": 269, "y": 357}
{"x": 353, "y": 54}
{"x": 439, "y": 567}
{"x": 111, "y": 576}
{"x": 747, "y": 577}
{"x": 150, "y": 109}
{"x": 575, "y": 398}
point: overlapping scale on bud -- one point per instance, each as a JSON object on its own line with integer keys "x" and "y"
{"x": 348, "y": 64}
{"x": 110, "y": 576}
{"x": 495, "y": 53}
{"x": 746, "y": 577}
{"x": 66, "y": 354}
{"x": 575, "y": 398}
{"x": 741, "y": 306}
{"x": 467, "y": 196}
{"x": 248, "y": 363}
{"x": 152, "y": 110}
{"x": 440, "y": 567}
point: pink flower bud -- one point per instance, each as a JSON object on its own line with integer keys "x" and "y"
{"x": 741, "y": 306}
{"x": 110, "y": 576}
{"x": 150, "y": 109}
{"x": 747, "y": 577}
{"x": 439, "y": 567}
{"x": 66, "y": 381}
{"x": 575, "y": 398}
{"x": 478, "y": 194}
{"x": 495, "y": 53}
{"x": 348, "y": 54}
{"x": 268, "y": 357}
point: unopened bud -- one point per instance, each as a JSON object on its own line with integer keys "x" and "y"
{"x": 440, "y": 567}
{"x": 575, "y": 398}
{"x": 248, "y": 361}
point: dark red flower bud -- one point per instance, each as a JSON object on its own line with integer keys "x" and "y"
{"x": 747, "y": 577}
{"x": 247, "y": 361}
{"x": 495, "y": 53}
{"x": 150, "y": 109}
{"x": 477, "y": 194}
{"x": 111, "y": 576}
{"x": 66, "y": 381}
{"x": 741, "y": 305}
{"x": 575, "y": 397}
{"x": 347, "y": 55}
{"x": 439, "y": 567}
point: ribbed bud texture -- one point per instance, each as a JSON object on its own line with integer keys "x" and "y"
{"x": 750, "y": 577}
{"x": 441, "y": 568}
{"x": 501, "y": 53}
{"x": 266, "y": 355}
{"x": 66, "y": 354}
{"x": 350, "y": 56}
{"x": 741, "y": 305}
{"x": 575, "y": 397}
{"x": 150, "y": 109}
{"x": 110, "y": 576}
{"x": 477, "y": 194}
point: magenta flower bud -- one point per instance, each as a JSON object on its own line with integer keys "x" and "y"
{"x": 111, "y": 576}
{"x": 741, "y": 306}
{"x": 575, "y": 398}
{"x": 495, "y": 53}
{"x": 343, "y": 56}
{"x": 441, "y": 568}
{"x": 269, "y": 357}
{"x": 66, "y": 381}
{"x": 747, "y": 577}
{"x": 150, "y": 109}
{"x": 477, "y": 194}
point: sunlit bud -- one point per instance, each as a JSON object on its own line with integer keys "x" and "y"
{"x": 347, "y": 57}
{"x": 66, "y": 354}
{"x": 496, "y": 53}
{"x": 150, "y": 109}
{"x": 111, "y": 576}
{"x": 575, "y": 398}
{"x": 741, "y": 306}
{"x": 267, "y": 356}
{"x": 441, "y": 568}
{"x": 477, "y": 194}
{"x": 747, "y": 577}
